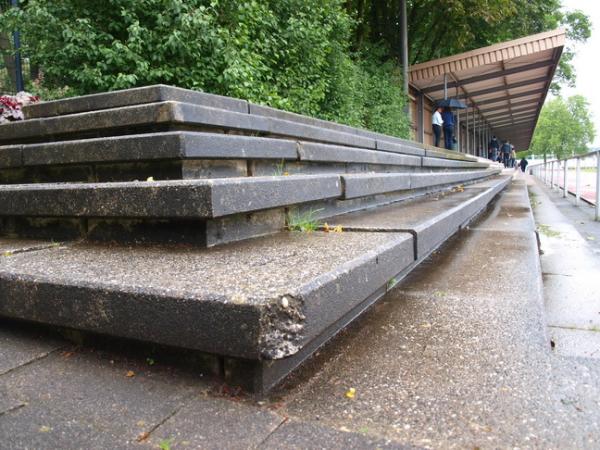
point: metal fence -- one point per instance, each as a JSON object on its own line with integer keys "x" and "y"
{"x": 584, "y": 183}
{"x": 11, "y": 72}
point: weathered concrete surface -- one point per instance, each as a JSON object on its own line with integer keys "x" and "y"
{"x": 147, "y": 146}
{"x": 335, "y": 153}
{"x": 440, "y": 162}
{"x": 9, "y": 247}
{"x": 129, "y": 97}
{"x": 204, "y": 198}
{"x": 431, "y": 219}
{"x": 570, "y": 268}
{"x": 262, "y": 298}
{"x": 361, "y": 185}
{"x": 457, "y": 357}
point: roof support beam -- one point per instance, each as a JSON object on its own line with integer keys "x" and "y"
{"x": 490, "y": 76}
{"x": 523, "y": 103}
{"x": 515, "y": 111}
{"x": 519, "y": 95}
{"x": 508, "y": 86}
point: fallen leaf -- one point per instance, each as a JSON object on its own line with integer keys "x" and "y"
{"x": 150, "y": 179}
{"x": 150, "y": 361}
{"x": 44, "y": 429}
{"x": 591, "y": 238}
{"x": 130, "y": 373}
{"x": 142, "y": 436}
{"x": 350, "y": 393}
{"x": 326, "y": 227}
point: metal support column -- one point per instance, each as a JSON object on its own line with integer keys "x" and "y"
{"x": 17, "y": 43}
{"x": 565, "y": 187}
{"x": 421, "y": 118}
{"x": 597, "y": 215}
{"x": 578, "y": 182}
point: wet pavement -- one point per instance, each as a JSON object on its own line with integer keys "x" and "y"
{"x": 456, "y": 356}
{"x": 570, "y": 242}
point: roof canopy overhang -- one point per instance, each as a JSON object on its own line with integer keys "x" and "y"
{"x": 505, "y": 84}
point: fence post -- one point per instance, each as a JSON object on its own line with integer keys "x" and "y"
{"x": 552, "y": 175}
{"x": 597, "y": 215}
{"x": 17, "y": 43}
{"x": 578, "y": 182}
{"x": 566, "y": 163}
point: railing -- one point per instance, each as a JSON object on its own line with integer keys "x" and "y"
{"x": 585, "y": 187}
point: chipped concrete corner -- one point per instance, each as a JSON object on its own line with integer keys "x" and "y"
{"x": 282, "y": 324}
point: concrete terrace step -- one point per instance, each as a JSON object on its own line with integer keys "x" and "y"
{"x": 164, "y": 107}
{"x": 431, "y": 220}
{"x": 162, "y": 93}
{"x": 262, "y": 305}
{"x": 205, "y": 198}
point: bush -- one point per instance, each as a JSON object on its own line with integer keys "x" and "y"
{"x": 289, "y": 54}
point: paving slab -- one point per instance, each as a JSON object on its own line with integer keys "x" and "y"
{"x": 20, "y": 345}
{"x": 204, "y": 198}
{"x": 298, "y": 435}
{"x": 570, "y": 269}
{"x": 214, "y": 423}
{"x": 80, "y": 398}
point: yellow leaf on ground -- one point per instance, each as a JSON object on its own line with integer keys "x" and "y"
{"x": 350, "y": 393}
{"x": 130, "y": 373}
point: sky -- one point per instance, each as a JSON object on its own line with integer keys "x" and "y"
{"x": 587, "y": 62}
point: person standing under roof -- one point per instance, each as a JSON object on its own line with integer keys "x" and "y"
{"x": 437, "y": 122}
{"x": 506, "y": 148}
{"x": 448, "y": 119}
{"x": 493, "y": 147}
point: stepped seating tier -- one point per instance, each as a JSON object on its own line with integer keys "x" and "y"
{"x": 270, "y": 300}
{"x": 131, "y": 214}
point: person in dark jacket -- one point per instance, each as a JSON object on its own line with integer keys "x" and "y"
{"x": 506, "y": 148}
{"x": 448, "y": 119}
{"x": 523, "y": 163}
{"x": 493, "y": 147}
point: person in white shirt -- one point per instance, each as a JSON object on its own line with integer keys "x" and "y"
{"x": 436, "y": 122}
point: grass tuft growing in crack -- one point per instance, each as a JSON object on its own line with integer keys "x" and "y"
{"x": 304, "y": 221}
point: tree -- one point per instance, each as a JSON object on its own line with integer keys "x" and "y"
{"x": 439, "y": 28}
{"x": 564, "y": 128}
{"x": 290, "y": 54}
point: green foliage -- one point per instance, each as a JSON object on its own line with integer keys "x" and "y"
{"x": 304, "y": 221}
{"x": 438, "y": 28}
{"x": 289, "y": 54}
{"x": 564, "y": 128}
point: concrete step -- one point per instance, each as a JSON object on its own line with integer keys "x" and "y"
{"x": 163, "y": 108}
{"x": 431, "y": 220}
{"x": 262, "y": 305}
{"x": 162, "y": 93}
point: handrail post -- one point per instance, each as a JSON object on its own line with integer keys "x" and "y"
{"x": 597, "y": 215}
{"x": 578, "y": 182}
{"x": 566, "y": 163}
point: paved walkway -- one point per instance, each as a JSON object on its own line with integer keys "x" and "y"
{"x": 570, "y": 241}
{"x": 456, "y": 356}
